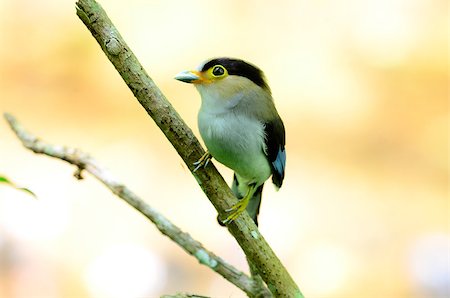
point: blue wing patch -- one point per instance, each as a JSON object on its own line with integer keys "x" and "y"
{"x": 280, "y": 162}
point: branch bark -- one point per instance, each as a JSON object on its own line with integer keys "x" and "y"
{"x": 85, "y": 162}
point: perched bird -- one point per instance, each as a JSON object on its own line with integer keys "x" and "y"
{"x": 240, "y": 127}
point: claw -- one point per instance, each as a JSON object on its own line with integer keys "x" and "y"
{"x": 203, "y": 161}
{"x": 198, "y": 166}
{"x": 240, "y": 206}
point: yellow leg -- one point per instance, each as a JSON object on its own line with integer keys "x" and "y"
{"x": 203, "y": 161}
{"x": 240, "y": 206}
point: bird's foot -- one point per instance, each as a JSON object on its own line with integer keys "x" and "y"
{"x": 237, "y": 208}
{"x": 203, "y": 161}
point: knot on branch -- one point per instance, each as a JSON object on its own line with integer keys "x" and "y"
{"x": 113, "y": 46}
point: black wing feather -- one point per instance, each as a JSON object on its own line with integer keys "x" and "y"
{"x": 275, "y": 151}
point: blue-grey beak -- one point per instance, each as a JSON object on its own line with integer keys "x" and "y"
{"x": 188, "y": 76}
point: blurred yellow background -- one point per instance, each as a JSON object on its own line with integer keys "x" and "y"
{"x": 362, "y": 86}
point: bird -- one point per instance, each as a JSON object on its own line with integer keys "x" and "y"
{"x": 240, "y": 127}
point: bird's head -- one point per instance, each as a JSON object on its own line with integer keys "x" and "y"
{"x": 225, "y": 77}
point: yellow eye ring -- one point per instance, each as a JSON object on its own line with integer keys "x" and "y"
{"x": 218, "y": 71}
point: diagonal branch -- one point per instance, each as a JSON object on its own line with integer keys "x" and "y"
{"x": 85, "y": 162}
{"x": 186, "y": 144}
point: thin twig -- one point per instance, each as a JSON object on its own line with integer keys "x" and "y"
{"x": 85, "y": 162}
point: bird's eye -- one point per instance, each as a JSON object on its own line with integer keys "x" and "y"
{"x": 218, "y": 71}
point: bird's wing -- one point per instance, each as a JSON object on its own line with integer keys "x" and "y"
{"x": 276, "y": 154}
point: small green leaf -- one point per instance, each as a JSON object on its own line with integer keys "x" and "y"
{"x": 28, "y": 191}
{"x": 3, "y": 179}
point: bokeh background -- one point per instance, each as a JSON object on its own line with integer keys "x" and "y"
{"x": 362, "y": 86}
